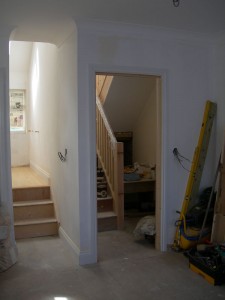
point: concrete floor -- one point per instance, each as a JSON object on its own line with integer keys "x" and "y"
{"x": 127, "y": 270}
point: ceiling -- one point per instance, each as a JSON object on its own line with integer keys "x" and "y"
{"x": 50, "y": 20}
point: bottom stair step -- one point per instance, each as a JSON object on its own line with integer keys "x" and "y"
{"x": 35, "y": 228}
{"x": 105, "y": 204}
{"x": 107, "y": 221}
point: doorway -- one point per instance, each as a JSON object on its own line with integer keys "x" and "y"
{"x": 132, "y": 104}
{"x": 31, "y": 121}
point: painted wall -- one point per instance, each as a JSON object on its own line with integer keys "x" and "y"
{"x": 144, "y": 130}
{"x": 19, "y": 140}
{"x": 19, "y": 62}
{"x": 42, "y": 106}
{"x": 125, "y": 100}
{"x": 65, "y": 174}
{"x": 131, "y": 106}
{"x": 186, "y": 65}
{"x": 53, "y": 125}
{"x": 219, "y": 89}
{"x": 6, "y": 212}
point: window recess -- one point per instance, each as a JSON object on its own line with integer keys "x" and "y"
{"x": 17, "y": 110}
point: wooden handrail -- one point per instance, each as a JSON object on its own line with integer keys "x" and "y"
{"x": 110, "y": 155}
{"x": 103, "y": 83}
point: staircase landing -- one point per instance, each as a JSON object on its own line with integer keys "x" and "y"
{"x": 24, "y": 177}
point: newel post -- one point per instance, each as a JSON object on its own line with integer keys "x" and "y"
{"x": 120, "y": 186}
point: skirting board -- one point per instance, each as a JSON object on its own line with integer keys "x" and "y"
{"x": 81, "y": 258}
{"x": 40, "y": 172}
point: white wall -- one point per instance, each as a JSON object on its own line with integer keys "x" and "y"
{"x": 19, "y": 140}
{"x": 42, "y": 105}
{"x": 6, "y": 212}
{"x": 185, "y": 64}
{"x": 131, "y": 106}
{"x": 66, "y": 184}
{"x": 125, "y": 100}
{"x": 53, "y": 125}
{"x": 19, "y": 61}
{"x": 144, "y": 130}
{"x": 219, "y": 89}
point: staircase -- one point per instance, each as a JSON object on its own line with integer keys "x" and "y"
{"x": 107, "y": 219}
{"x": 34, "y": 213}
{"x": 110, "y": 157}
{"x": 110, "y": 204}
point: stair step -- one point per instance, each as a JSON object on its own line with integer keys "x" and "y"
{"x": 32, "y": 202}
{"x": 36, "y": 228}
{"x": 101, "y": 181}
{"x": 31, "y": 193}
{"x": 107, "y": 221}
{"x": 35, "y": 221}
{"x": 104, "y": 204}
{"x": 28, "y": 210}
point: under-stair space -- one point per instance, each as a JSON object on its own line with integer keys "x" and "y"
{"x": 107, "y": 219}
{"x": 34, "y": 211}
{"x": 126, "y": 144}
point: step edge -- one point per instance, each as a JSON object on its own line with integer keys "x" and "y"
{"x": 32, "y": 203}
{"x": 108, "y": 214}
{"x": 31, "y": 187}
{"x": 105, "y": 198}
{"x": 35, "y": 221}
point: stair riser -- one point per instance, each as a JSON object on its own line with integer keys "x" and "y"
{"x": 104, "y": 205}
{"x": 33, "y": 212}
{"x": 107, "y": 224}
{"x": 27, "y": 194}
{"x": 35, "y": 230}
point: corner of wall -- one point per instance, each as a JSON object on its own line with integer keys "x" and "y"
{"x": 80, "y": 257}
{"x": 74, "y": 249}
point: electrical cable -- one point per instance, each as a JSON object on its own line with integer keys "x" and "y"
{"x": 180, "y": 159}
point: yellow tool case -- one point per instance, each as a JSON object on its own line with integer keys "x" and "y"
{"x": 209, "y": 265}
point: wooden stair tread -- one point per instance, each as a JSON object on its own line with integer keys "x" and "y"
{"x": 104, "y": 198}
{"x": 31, "y": 187}
{"x": 106, "y": 214}
{"x": 35, "y": 221}
{"x": 34, "y": 213}
{"x": 32, "y": 203}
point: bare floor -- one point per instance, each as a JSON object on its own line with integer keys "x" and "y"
{"x": 127, "y": 270}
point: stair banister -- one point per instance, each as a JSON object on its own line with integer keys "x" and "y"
{"x": 110, "y": 155}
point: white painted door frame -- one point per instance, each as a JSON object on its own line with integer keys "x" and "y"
{"x": 161, "y": 243}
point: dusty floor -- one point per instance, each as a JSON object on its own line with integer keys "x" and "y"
{"x": 127, "y": 270}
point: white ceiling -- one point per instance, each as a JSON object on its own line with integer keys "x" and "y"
{"x": 50, "y": 20}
